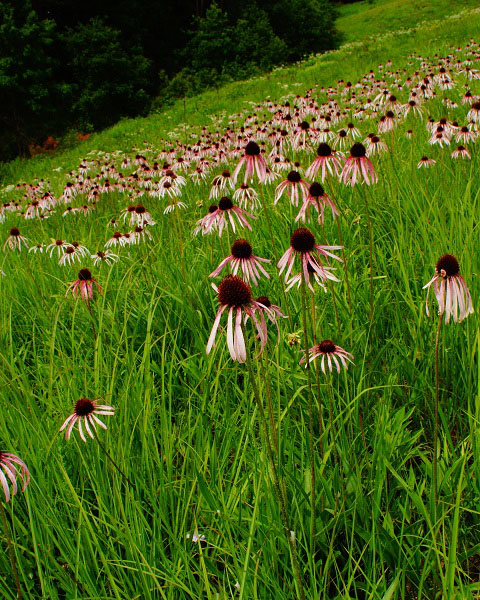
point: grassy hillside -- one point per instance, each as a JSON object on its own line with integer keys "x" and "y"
{"x": 237, "y": 472}
{"x": 355, "y": 57}
{"x": 364, "y": 19}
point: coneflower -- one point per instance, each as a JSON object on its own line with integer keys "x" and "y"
{"x": 358, "y": 168}
{"x": 254, "y": 163}
{"x": 235, "y": 297}
{"x": 242, "y": 257}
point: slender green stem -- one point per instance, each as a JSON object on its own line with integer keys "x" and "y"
{"x": 330, "y": 410}
{"x": 274, "y": 247}
{"x": 276, "y": 481}
{"x": 370, "y": 243}
{"x": 10, "y": 552}
{"x": 317, "y": 379}
{"x": 266, "y": 378}
{"x": 310, "y": 409}
{"x": 113, "y": 462}
{"x": 435, "y": 424}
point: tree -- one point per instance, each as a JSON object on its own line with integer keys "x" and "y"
{"x": 108, "y": 81}
{"x": 29, "y": 95}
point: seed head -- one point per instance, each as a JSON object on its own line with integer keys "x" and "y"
{"x": 302, "y": 240}
{"x": 233, "y": 291}
{"x": 84, "y": 275}
{"x": 241, "y": 249}
{"x": 447, "y": 264}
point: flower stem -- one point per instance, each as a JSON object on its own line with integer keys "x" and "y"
{"x": 330, "y": 410}
{"x": 113, "y": 462}
{"x": 370, "y": 242}
{"x": 11, "y": 553}
{"x": 276, "y": 481}
{"x": 266, "y": 378}
{"x": 274, "y": 247}
{"x": 310, "y": 409}
{"x": 317, "y": 379}
{"x": 435, "y": 409}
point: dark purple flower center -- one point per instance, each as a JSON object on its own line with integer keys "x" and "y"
{"x": 316, "y": 190}
{"x": 324, "y": 150}
{"x": 225, "y": 203}
{"x": 476, "y": 105}
{"x": 233, "y": 291}
{"x": 241, "y": 249}
{"x": 140, "y": 209}
{"x": 449, "y": 264}
{"x": 304, "y": 125}
{"x": 225, "y": 173}
{"x": 342, "y": 133}
{"x": 252, "y": 149}
{"x": 327, "y": 346}
{"x": 294, "y": 177}
{"x": 358, "y": 150}
{"x": 390, "y": 114}
{"x": 84, "y": 275}
{"x": 84, "y": 407}
{"x": 212, "y": 208}
{"x": 302, "y": 240}
{"x": 264, "y": 300}
{"x": 14, "y": 232}
{"x": 70, "y": 250}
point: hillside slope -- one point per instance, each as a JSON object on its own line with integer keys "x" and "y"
{"x": 426, "y": 37}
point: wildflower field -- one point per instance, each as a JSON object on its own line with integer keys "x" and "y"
{"x": 239, "y": 339}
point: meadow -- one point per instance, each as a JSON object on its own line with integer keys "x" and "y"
{"x": 239, "y": 472}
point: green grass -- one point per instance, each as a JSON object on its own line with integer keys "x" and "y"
{"x": 186, "y": 429}
{"x": 364, "y": 19}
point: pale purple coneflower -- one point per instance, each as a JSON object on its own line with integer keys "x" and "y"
{"x": 254, "y": 163}
{"x": 358, "y": 168}
{"x": 9, "y": 471}
{"x": 226, "y": 214}
{"x": 115, "y": 240}
{"x": 242, "y": 257}
{"x": 37, "y": 248}
{"x": 15, "y": 240}
{"x": 327, "y": 160}
{"x": 461, "y": 152}
{"x": 139, "y": 234}
{"x": 235, "y": 298}
{"x": 174, "y": 204}
{"x": 220, "y": 184}
{"x": 104, "y": 256}
{"x": 84, "y": 285}
{"x": 293, "y": 184}
{"x": 58, "y": 245}
{"x": 375, "y": 146}
{"x": 70, "y": 255}
{"x": 450, "y": 290}
{"x": 426, "y": 162}
{"x": 465, "y": 135}
{"x": 203, "y": 225}
{"x": 318, "y": 199}
{"x": 272, "y": 311}
{"x": 332, "y": 356}
{"x": 302, "y": 242}
{"x": 245, "y": 195}
{"x": 86, "y": 411}
{"x": 474, "y": 113}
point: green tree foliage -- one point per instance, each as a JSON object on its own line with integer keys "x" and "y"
{"x": 219, "y": 50}
{"x": 305, "y": 26}
{"x": 108, "y": 82}
{"x": 29, "y": 94}
{"x": 69, "y": 64}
